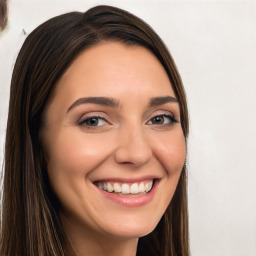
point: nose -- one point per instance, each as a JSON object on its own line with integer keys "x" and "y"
{"x": 133, "y": 147}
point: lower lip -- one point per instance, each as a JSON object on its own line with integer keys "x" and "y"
{"x": 131, "y": 201}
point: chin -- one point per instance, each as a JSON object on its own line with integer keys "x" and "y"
{"x": 133, "y": 227}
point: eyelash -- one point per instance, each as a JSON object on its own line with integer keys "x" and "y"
{"x": 84, "y": 121}
{"x": 170, "y": 117}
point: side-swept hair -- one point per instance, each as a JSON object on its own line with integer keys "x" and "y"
{"x": 30, "y": 223}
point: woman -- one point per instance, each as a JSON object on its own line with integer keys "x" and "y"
{"x": 96, "y": 141}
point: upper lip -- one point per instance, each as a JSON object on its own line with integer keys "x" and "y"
{"x": 126, "y": 180}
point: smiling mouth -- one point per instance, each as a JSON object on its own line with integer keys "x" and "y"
{"x": 120, "y": 188}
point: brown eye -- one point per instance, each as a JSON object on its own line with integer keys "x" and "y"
{"x": 158, "y": 120}
{"x": 93, "y": 121}
{"x": 163, "y": 120}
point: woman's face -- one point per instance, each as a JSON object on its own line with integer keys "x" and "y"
{"x": 111, "y": 130}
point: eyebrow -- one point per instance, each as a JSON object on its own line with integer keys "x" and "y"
{"x": 104, "y": 101}
{"x": 114, "y": 103}
{"x": 161, "y": 100}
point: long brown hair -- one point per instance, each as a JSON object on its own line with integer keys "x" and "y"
{"x": 3, "y": 14}
{"x": 30, "y": 223}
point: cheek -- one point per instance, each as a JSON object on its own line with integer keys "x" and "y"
{"x": 71, "y": 157}
{"x": 170, "y": 149}
{"x": 76, "y": 153}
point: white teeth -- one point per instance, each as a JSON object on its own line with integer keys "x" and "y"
{"x": 125, "y": 189}
{"x": 100, "y": 185}
{"x": 141, "y": 188}
{"x": 134, "y": 188}
{"x": 117, "y": 188}
{"x": 110, "y": 187}
{"x": 149, "y": 186}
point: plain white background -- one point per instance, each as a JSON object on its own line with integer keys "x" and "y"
{"x": 214, "y": 45}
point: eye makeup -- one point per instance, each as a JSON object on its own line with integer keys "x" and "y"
{"x": 163, "y": 120}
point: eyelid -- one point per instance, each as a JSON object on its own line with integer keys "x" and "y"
{"x": 171, "y": 118}
{"x": 106, "y": 119}
{"x": 83, "y": 121}
{"x": 99, "y": 115}
{"x": 162, "y": 112}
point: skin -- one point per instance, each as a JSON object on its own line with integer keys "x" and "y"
{"x": 127, "y": 142}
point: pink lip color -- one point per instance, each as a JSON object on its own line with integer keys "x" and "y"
{"x": 130, "y": 201}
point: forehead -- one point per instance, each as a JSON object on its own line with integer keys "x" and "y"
{"x": 114, "y": 68}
